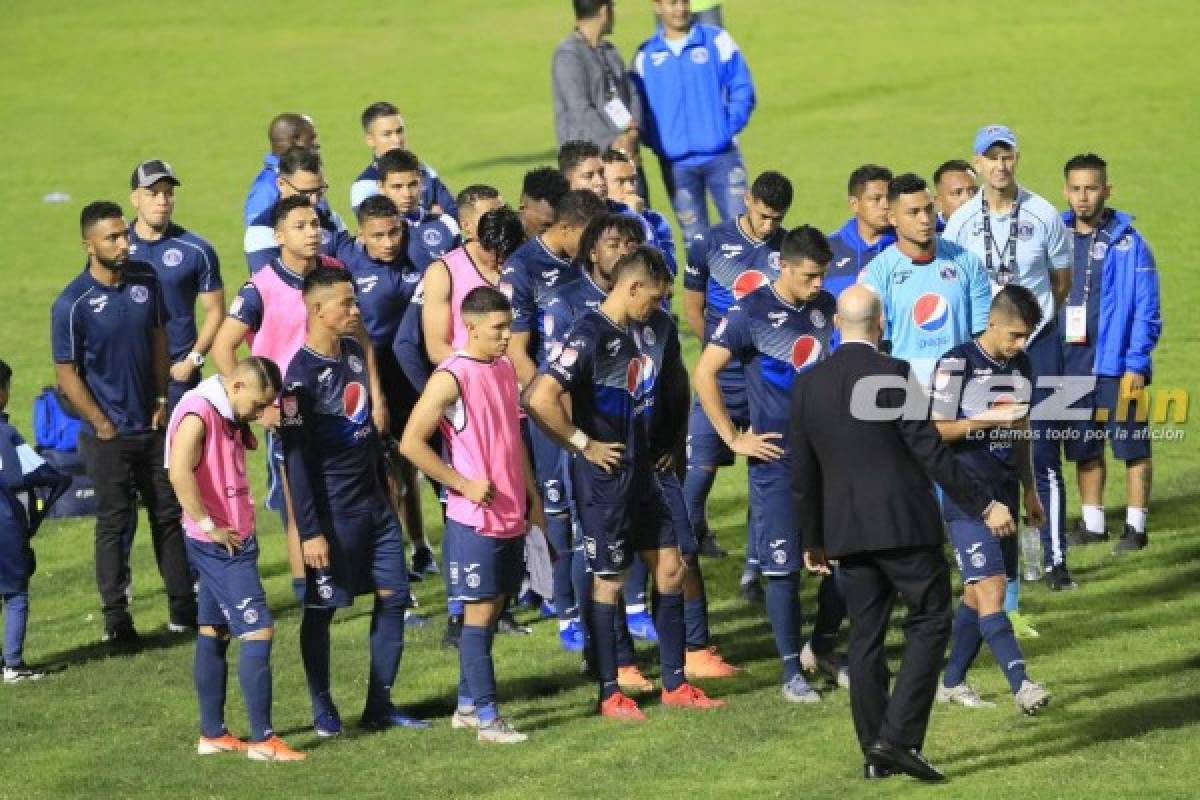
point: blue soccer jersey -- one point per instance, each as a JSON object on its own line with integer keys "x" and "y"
{"x": 930, "y": 307}
{"x": 967, "y": 382}
{"x": 329, "y": 442}
{"x": 259, "y": 240}
{"x": 187, "y": 266}
{"x": 384, "y": 291}
{"x": 529, "y": 276}
{"x": 433, "y": 191}
{"x": 774, "y": 341}
{"x": 562, "y": 307}
{"x": 726, "y": 264}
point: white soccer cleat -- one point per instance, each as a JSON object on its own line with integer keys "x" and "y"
{"x": 962, "y": 695}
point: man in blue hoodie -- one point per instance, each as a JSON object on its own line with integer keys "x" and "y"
{"x": 867, "y": 233}
{"x": 1111, "y": 323}
{"x": 697, "y": 96}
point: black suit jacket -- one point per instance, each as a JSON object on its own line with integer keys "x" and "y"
{"x": 861, "y": 486}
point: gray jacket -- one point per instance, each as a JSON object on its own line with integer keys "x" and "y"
{"x": 580, "y": 85}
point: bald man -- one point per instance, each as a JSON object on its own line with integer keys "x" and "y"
{"x": 861, "y": 481}
{"x": 286, "y": 130}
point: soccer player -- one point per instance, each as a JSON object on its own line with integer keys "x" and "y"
{"x": 774, "y": 332}
{"x": 110, "y": 358}
{"x": 1114, "y": 291}
{"x": 431, "y": 233}
{"x": 1021, "y": 239}
{"x": 384, "y": 130}
{"x": 697, "y": 94}
{"x": 621, "y": 176}
{"x": 609, "y": 380}
{"x": 300, "y": 175}
{"x": 935, "y": 293}
{"x": 867, "y": 233}
{"x": 206, "y": 454}
{"x": 187, "y": 268}
{"x": 349, "y": 536}
{"x": 723, "y": 264}
{"x": 954, "y": 183}
{"x": 541, "y": 189}
{"x": 286, "y": 131}
{"x": 472, "y": 398}
{"x": 473, "y": 202}
{"x": 981, "y": 393}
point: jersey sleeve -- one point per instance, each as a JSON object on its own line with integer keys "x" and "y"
{"x": 733, "y": 333}
{"x": 1058, "y": 244}
{"x": 208, "y": 272}
{"x": 295, "y": 430}
{"x": 573, "y": 367}
{"x": 695, "y": 272}
{"x": 945, "y": 385}
{"x": 247, "y": 307}
{"x": 66, "y": 337}
{"x": 523, "y": 303}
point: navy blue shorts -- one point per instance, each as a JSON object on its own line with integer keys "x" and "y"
{"x": 484, "y": 567}
{"x": 230, "y": 591}
{"x": 1129, "y": 438}
{"x": 685, "y": 537}
{"x": 549, "y": 469}
{"x": 774, "y": 542}
{"x": 366, "y": 554}
{"x": 619, "y": 515}
{"x": 979, "y": 553}
{"x": 705, "y": 447}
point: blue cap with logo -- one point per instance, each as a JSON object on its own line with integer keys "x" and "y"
{"x": 994, "y": 134}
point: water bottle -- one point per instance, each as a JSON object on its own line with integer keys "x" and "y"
{"x": 1031, "y": 553}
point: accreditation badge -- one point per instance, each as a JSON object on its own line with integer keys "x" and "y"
{"x": 617, "y": 113}
{"x": 1076, "y": 319}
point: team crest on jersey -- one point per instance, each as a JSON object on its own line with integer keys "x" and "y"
{"x": 700, "y": 55}
{"x": 589, "y": 546}
{"x": 806, "y": 351}
{"x": 568, "y": 357}
{"x": 748, "y": 281}
{"x": 978, "y": 560}
{"x": 931, "y": 312}
{"x": 250, "y": 616}
{"x": 172, "y": 257}
{"x": 949, "y": 272}
{"x": 355, "y": 363}
{"x": 140, "y": 294}
{"x": 773, "y": 260}
{"x": 354, "y": 402}
{"x": 290, "y": 406}
{"x": 553, "y": 494}
{"x": 1099, "y": 249}
{"x": 817, "y": 318}
{"x": 473, "y": 580}
{"x": 432, "y": 237}
{"x": 1025, "y": 231}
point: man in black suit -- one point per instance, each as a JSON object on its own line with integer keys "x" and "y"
{"x": 862, "y": 485}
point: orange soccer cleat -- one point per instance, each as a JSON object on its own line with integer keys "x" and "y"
{"x": 225, "y": 743}
{"x": 631, "y": 680}
{"x": 620, "y": 707}
{"x": 708, "y": 663}
{"x": 688, "y": 696}
{"x": 273, "y": 749}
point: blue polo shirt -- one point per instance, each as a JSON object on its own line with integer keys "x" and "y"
{"x": 187, "y": 266}
{"x": 107, "y": 332}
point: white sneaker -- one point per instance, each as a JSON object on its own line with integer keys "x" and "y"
{"x": 464, "y": 718}
{"x": 1031, "y": 698}
{"x": 22, "y": 673}
{"x": 797, "y": 690}
{"x": 962, "y": 695}
{"x": 499, "y": 731}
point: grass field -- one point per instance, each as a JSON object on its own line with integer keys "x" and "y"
{"x": 94, "y": 88}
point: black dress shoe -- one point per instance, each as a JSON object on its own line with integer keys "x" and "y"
{"x": 874, "y": 772}
{"x": 904, "y": 759}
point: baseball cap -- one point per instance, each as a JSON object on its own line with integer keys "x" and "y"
{"x": 151, "y": 172}
{"x": 994, "y": 134}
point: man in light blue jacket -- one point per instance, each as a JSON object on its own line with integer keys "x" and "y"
{"x": 697, "y": 95}
{"x": 1111, "y": 322}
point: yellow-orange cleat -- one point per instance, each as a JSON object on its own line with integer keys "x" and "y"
{"x": 688, "y": 696}
{"x": 621, "y": 708}
{"x": 273, "y": 749}
{"x": 225, "y": 743}
{"x": 708, "y": 663}
{"x": 631, "y": 679}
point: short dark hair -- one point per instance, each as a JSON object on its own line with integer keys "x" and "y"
{"x": 614, "y": 156}
{"x": 574, "y": 153}
{"x": 377, "y": 206}
{"x": 578, "y": 207}
{"x": 1017, "y": 301}
{"x": 624, "y": 224}
{"x": 859, "y": 179}
{"x": 397, "y": 160}
{"x": 645, "y": 260}
{"x": 1086, "y": 161}
{"x": 299, "y": 159}
{"x": 324, "y": 276}
{"x": 773, "y": 189}
{"x": 377, "y": 111}
{"x": 266, "y": 370}
{"x": 94, "y": 212}
{"x": 805, "y": 243}
{"x": 953, "y": 165}
{"x": 546, "y": 184}
{"x": 908, "y": 183}
{"x": 474, "y": 193}
{"x": 5, "y": 374}
{"x": 484, "y": 300}
{"x": 287, "y": 205}
{"x": 500, "y": 232}
{"x": 586, "y": 9}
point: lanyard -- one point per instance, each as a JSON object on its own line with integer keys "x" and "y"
{"x": 610, "y": 80}
{"x": 1092, "y": 261}
{"x": 1007, "y": 271}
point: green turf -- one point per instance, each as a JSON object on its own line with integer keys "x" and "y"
{"x": 90, "y": 89}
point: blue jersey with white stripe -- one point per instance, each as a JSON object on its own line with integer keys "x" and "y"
{"x": 529, "y": 276}
{"x": 851, "y": 255}
{"x": 726, "y": 264}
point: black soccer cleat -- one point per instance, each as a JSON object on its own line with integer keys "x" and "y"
{"x": 1080, "y": 535}
{"x": 1058, "y": 578}
{"x": 1131, "y": 540}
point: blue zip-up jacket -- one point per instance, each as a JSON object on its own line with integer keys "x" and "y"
{"x": 696, "y": 102}
{"x": 263, "y": 192}
{"x": 21, "y": 471}
{"x": 1130, "y": 313}
{"x": 851, "y": 255}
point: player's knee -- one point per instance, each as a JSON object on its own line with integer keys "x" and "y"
{"x": 989, "y": 594}
{"x": 606, "y": 588}
{"x": 669, "y": 573}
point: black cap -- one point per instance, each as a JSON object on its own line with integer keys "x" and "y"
{"x": 151, "y": 172}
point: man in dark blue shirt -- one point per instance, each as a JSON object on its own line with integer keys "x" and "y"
{"x": 867, "y": 233}
{"x": 110, "y": 354}
{"x": 187, "y": 268}
{"x": 384, "y": 130}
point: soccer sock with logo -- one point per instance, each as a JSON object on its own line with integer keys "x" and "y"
{"x": 783, "y": 609}
{"x": 668, "y": 620}
{"x": 635, "y": 586}
{"x": 604, "y": 647}
{"x": 695, "y": 609}
{"x": 558, "y": 531}
{"x": 1093, "y": 518}
{"x": 998, "y": 633}
{"x": 475, "y": 662}
{"x": 1136, "y": 519}
{"x": 831, "y": 610}
{"x": 965, "y": 641}
{"x": 314, "y": 652}
{"x": 387, "y": 646}
{"x": 581, "y": 579}
{"x": 697, "y": 485}
{"x": 254, "y": 674}
{"x": 210, "y": 671}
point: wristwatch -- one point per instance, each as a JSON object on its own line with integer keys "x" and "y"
{"x": 196, "y": 359}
